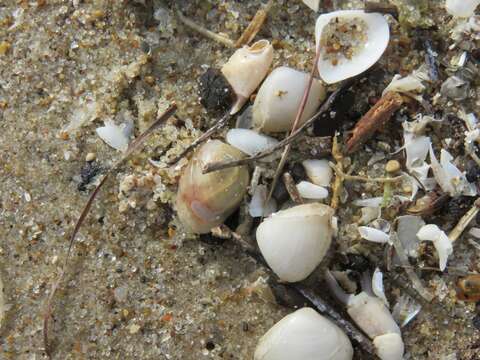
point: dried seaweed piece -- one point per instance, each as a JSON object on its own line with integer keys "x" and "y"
{"x": 373, "y": 120}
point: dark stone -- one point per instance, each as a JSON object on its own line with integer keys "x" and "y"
{"x": 87, "y": 174}
{"x": 215, "y": 92}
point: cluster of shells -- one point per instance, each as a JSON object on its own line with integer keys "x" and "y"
{"x": 294, "y": 239}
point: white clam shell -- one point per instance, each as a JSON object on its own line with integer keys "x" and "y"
{"x": 378, "y": 35}
{"x": 389, "y": 346}
{"x": 461, "y": 8}
{"x": 206, "y": 200}
{"x": 246, "y": 69}
{"x": 249, "y": 141}
{"x": 318, "y": 171}
{"x": 307, "y": 190}
{"x": 305, "y": 335}
{"x": 373, "y": 235}
{"x": 294, "y": 241}
{"x": 279, "y": 98}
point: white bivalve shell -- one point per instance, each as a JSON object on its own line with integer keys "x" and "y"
{"x": 461, "y": 8}
{"x": 249, "y": 141}
{"x": 318, "y": 171}
{"x": 389, "y": 346}
{"x": 206, "y": 200}
{"x": 294, "y": 241}
{"x": 246, "y": 69}
{"x": 279, "y": 98}
{"x": 304, "y": 335}
{"x": 365, "y": 52}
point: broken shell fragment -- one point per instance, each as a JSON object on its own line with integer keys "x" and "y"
{"x": 206, "y": 200}
{"x": 294, "y": 241}
{"x": 461, "y": 8}
{"x": 279, "y": 98}
{"x": 246, "y": 69}
{"x": 250, "y": 142}
{"x": 306, "y": 335}
{"x": 307, "y": 190}
{"x": 318, "y": 171}
{"x": 350, "y": 41}
{"x": 442, "y": 243}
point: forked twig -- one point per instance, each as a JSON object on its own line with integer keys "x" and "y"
{"x": 204, "y": 137}
{"x": 215, "y": 166}
{"x": 132, "y": 147}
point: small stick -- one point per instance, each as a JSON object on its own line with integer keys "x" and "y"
{"x": 131, "y": 148}
{"x": 464, "y": 221}
{"x": 204, "y": 137}
{"x": 300, "y": 111}
{"x": 374, "y": 119}
{"x": 215, "y": 166}
{"x": 338, "y": 184}
{"x": 255, "y": 25}
{"x": 292, "y": 188}
{"x": 205, "y": 32}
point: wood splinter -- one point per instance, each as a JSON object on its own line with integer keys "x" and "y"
{"x": 374, "y": 120}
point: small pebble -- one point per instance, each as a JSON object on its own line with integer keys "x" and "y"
{"x": 90, "y": 157}
{"x": 392, "y": 166}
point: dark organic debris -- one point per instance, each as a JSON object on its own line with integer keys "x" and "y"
{"x": 215, "y": 92}
{"x": 88, "y": 172}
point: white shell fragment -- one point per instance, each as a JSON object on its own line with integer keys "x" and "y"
{"x": 318, "y": 171}
{"x": 304, "y": 335}
{"x": 257, "y": 207}
{"x": 461, "y": 8}
{"x": 389, "y": 346}
{"x": 307, "y": 190}
{"x": 294, "y": 241}
{"x": 405, "y": 310}
{"x": 312, "y": 4}
{"x": 116, "y": 136}
{"x": 249, "y": 141}
{"x": 246, "y": 69}
{"x": 279, "y": 98}
{"x": 410, "y": 83}
{"x": 449, "y": 177}
{"x": 440, "y": 240}
{"x": 372, "y": 234}
{"x": 367, "y": 53}
{"x": 407, "y": 229}
{"x": 377, "y": 286}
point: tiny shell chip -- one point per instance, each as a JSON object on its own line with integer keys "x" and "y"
{"x": 250, "y": 142}
{"x": 351, "y": 42}
{"x": 302, "y": 335}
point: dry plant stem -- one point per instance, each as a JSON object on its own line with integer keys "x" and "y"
{"x": 205, "y": 32}
{"x": 321, "y": 305}
{"x": 324, "y": 108}
{"x": 465, "y": 221}
{"x": 204, "y": 137}
{"x": 292, "y": 188}
{"x": 373, "y": 120}
{"x": 255, "y": 25}
{"x": 324, "y": 308}
{"x": 338, "y": 184}
{"x": 346, "y": 177}
{"x": 301, "y": 110}
{"x": 135, "y": 145}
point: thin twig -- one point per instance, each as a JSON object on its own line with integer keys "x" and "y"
{"x": 204, "y": 137}
{"x": 215, "y": 166}
{"x": 205, "y": 32}
{"x": 465, "y": 221}
{"x": 255, "y": 25}
{"x": 132, "y": 147}
{"x": 338, "y": 184}
{"x": 300, "y": 111}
